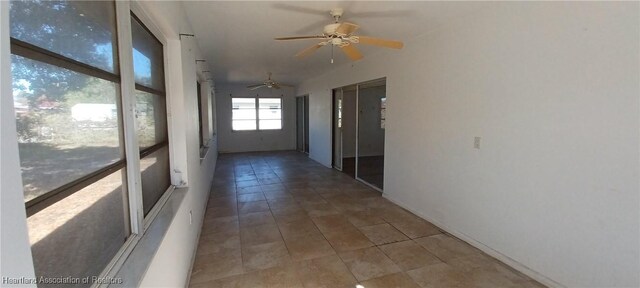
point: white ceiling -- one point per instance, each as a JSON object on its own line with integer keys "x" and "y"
{"x": 236, "y": 37}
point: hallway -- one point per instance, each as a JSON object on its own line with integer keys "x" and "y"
{"x": 279, "y": 219}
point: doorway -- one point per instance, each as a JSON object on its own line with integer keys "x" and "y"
{"x": 359, "y": 131}
{"x": 302, "y": 124}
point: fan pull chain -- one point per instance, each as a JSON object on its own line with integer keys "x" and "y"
{"x": 331, "y": 54}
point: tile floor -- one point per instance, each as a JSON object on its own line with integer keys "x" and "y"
{"x": 279, "y": 219}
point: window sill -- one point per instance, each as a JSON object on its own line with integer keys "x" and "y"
{"x": 137, "y": 262}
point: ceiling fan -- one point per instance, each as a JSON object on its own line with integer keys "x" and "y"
{"x": 340, "y": 34}
{"x": 268, "y": 83}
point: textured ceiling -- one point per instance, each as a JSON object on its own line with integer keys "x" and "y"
{"x": 236, "y": 37}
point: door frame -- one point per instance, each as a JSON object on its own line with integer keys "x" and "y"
{"x": 302, "y": 120}
{"x": 333, "y": 119}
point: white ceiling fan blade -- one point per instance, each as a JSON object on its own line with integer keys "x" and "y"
{"x": 255, "y": 85}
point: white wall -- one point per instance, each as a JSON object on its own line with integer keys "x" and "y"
{"x": 244, "y": 141}
{"x": 553, "y": 90}
{"x": 16, "y": 261}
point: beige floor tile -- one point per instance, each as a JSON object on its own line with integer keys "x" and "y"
{"x": 261, "y": 234}
{"x": 303, "y": 227}
{"x": 284, "y": 276}
{"x": 347, "y": 239}
{"x": 216, "y": 269}
{"x": 256, "y": 219}
{"x": 277, "y": 195}
{"x": 395, "y": 280}
{"x": 253, "y": 280}
{"x": 290, "y": 215}
{"x": 408, "y": 255}
{"x": 252, "y": 207}
{"x": 225, "y": 202}
{"x": 308, "y": 247}
{"x": 416, "y": 228}
{"x": 382, "y": 234}
{"x": 364, "y": 218}
{"x": 248, "y": 183}
{"x": 360, "y": 194}
{"x": 218, "y": 212}
{"x": 227, "y": 224}
{"x": 325, "y": 272}
{"x": 439, "y": 275}
{"x": 216, "y": 243}
{"x": 283, "y": 204}
{"x": 332, "y": 222}
{"x": 485, "y": 271}
{"x": 446, "y": 247}
{"x": 310, "y": 199}
{"x": 264, "y": 256}
{"x": 215, "y": 258}
{"x": 317, "y": 210}
{"x": 368, "y": 263}
{"x": 250, "y": 197}
{"x": 273, "y": 187}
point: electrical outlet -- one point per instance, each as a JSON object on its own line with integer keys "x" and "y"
{"x": 476, "y": 142}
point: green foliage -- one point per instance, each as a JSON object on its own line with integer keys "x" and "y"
{"x": 64, "y": 28}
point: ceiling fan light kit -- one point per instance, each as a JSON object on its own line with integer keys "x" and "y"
{"x": 340, "y": 34}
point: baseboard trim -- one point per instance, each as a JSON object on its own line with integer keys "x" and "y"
{"x": 484, "y": 248}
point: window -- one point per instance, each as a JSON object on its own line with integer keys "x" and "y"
{"x": 269, "y": 113}
{"x": 148, "y": 69}
{"x": 256, "y": 113}
{"x": 200, "y": 128}
{"x": 68, "y": 113}
{"x": 72, "y": 127}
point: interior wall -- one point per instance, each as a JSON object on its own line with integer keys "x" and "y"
{"x": 552, "y": 90}
{"x": 246, "y": 141}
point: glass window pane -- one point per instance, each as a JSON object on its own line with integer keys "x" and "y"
{"x": 244, "y": 124}
{"x": 269, "y": 103}
{"x": 243, "y": 103}
{"x": 244, "y": 114}
{"x": 270, "y": 114}
{"x": 270, "y": 124}
{"x": 155, "y": 177}
{"x": 148, "y": 65}
{"x": 78, "y": 235}
{"x": 152, "y": 119}
{"x": 67, "y": 124}
{"x": 81, "y": 30}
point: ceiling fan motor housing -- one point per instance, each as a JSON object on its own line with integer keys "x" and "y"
{"x": 331, "y": 29}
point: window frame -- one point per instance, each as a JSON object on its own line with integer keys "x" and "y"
{"x": 257, "y": 111}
